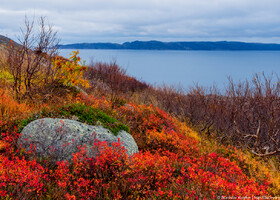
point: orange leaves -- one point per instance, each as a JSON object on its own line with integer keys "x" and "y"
{"x": 62, "y": 174}
{"x": 170, "y": 165}
{"x": 172, "y": 162}
{"x": 214, "y": 173}
{"x": 70, "y": 72}
{"x": 11, "y": 109}
{"x": 4, "y": 145}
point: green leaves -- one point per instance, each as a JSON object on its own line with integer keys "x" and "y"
{"x": 93, "y": 116}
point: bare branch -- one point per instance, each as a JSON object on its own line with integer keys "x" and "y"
{"x": 266, "y": 154}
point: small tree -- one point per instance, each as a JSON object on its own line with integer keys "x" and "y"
{"x": 70, "y": 72}
{"x": 30, "y": 63}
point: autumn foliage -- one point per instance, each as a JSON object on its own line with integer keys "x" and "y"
{"x": 70, "y": 72}
{"x": 174, "y": 162}
{"x": 10, "y": 109}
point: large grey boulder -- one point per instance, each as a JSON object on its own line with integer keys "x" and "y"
{"x": 60, "y": 138}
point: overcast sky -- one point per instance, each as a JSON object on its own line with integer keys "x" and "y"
{"x": 166, "y": 20}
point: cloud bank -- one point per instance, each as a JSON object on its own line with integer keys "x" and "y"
{"x": 166, "y": 20}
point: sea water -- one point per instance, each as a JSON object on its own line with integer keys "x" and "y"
{"x": 186, "y": 68}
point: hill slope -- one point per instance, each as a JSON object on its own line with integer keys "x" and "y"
{"x": 174, "y": 162}
{"x": 6, "y": 41}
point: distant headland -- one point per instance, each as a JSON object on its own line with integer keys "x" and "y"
{"x": 158, "y": 45}
{"x": 191, "y": 46}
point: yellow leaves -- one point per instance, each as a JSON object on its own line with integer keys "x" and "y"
{"x": 74, "y": 54}
{"x": 70, "y": 72}
{"x": 5, "y": 75}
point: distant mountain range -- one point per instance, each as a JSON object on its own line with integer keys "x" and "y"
{"x": 157, "y": 45}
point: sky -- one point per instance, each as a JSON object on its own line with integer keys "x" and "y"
{"x": 166, "y": 20}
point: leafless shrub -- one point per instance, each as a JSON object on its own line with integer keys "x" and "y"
{"x": 247, "y": 114}
{"x": 171, "y": 98}
{"x": 113, "y": 78}
{"x": 30, "y": 63}
{"x": 256, "y": 114}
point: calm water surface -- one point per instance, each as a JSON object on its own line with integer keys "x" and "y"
{"x": 187, "y": 68}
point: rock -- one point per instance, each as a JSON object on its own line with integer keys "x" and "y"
{"x": 60, "y": 138}
{"x": 81, "y": 90}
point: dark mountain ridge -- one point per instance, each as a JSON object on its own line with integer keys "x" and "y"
{"x": 7, "y": 41}
{"x": 158, "y": 45}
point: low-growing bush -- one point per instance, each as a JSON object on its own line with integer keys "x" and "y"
{"x": 172, "y": 163}
{"x": 80, "y": 112}
{"x": 112, "y": 81}
{"x": 246, "y": 114}
{"x": 92, "y": 116}
{"x": 114, "y": 76}
{"x": 11, "y": 109}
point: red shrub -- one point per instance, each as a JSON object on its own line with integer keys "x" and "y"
{"x": 21, "y": 178}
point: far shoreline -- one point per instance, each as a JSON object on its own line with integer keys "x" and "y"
{"x": 177, "y": 46}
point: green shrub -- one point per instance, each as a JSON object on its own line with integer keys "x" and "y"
{"x": 93, "y": 116}
{"x": 84, "y": 113}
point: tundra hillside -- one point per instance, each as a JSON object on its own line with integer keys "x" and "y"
{"x": 192, "y": 145}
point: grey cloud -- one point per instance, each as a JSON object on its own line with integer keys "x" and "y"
{"x": 123, "y": 20}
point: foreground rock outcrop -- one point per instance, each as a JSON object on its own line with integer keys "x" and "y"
{"x": 60, "y": 138}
